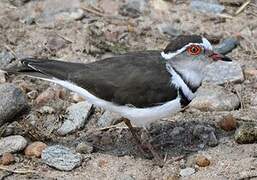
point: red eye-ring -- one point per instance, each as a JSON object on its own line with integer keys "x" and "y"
{"x": 194, "y": 50}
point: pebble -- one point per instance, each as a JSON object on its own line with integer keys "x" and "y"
{"x": 47, "y": 110}
{"x": 7, "y": 159}
{"x": 29, "y": 20}
{"x": 250, "y": 72}
{"x": 56, "y": 11}
{"x": 166, "y": 28}
{"x": 133, "y": 8}
{"x": 187, "y": 172}
{"x": 47, "y": 95}
{"x": 222, "y": 72}
{"x": 77, "y": 14}
{"x": 76, "y": 117}
{"x": 206, "y": 7}
{"x": 77, "y": 98}
{"x": 32, "y": 94}
{"x": 13, "y": 143}
{"x": 5, "y": 58}
{"x": 202, "y": 161}
{"x": 107, "y": 119}
{"x": 125, "y": 177}
{"x": 55, "y": 43}
{"x": 13, "y": 101}
{"x": 254, "y": 100}
{"x": 206, "y": 134}
{"x": 35, "y": 149}
{"x": 214, "y": 98}
{"x": 246, "y": 133}
{"x": 228, "y": 123}
{"x": 61, "y": 158}
{"x": 84, "y": 148}
{"x": 2, "y": 77}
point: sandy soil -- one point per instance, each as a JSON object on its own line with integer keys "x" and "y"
{"x": 104, "y": 32}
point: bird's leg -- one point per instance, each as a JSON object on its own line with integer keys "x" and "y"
{"x": 134, "y": 134}
{"x": 145, "y": 138}
{"x": 146, "y": 141}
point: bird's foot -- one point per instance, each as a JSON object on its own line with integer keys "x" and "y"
{"x": 146, "y": 141}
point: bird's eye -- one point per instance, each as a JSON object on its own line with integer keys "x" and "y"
{"x": 194, "y": 50}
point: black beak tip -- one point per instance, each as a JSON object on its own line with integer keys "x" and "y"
{"x": 225, "y": 58}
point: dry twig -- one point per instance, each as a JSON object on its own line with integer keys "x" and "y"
{"x": 241, "y": 8}
{"x": 19, "y": 171}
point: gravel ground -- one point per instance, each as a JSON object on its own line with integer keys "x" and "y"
{"x": 88, "y": 30}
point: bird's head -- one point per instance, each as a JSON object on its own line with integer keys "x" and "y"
{"x": 189, "y": 55}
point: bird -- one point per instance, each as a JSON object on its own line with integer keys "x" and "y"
{"x": 142, "y": 87}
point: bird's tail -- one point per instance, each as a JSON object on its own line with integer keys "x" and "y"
{"x": 44, "y": 68}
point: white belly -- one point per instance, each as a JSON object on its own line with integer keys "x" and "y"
{"x": 138, "y": 116}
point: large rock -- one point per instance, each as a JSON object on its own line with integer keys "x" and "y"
{"x": 76, "y": 117}
{"x": 12, "y": 144}
{"x": 12, "y": 102}
{"x": 61, "y": 158}
{"x": 214, "y": 98}
{"x": 221, "y": 72}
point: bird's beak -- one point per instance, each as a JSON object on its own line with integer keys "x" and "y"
{"x": 217, "y": 56}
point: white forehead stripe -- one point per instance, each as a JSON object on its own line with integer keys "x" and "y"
{"x": 206, "y": 44}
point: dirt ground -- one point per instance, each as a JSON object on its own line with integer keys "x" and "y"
{"x": 50, "y": 29}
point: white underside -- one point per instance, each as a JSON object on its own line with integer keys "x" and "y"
{"x": 141, "y": 117}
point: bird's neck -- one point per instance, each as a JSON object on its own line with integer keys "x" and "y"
{"x": 191, "y": 78}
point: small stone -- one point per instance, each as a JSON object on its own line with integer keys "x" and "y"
{"x": 246, "y": 133}
{"x": 207, "y": 7}
{"x": 76, "y": 117}
{"x": 47, "y": 110}
{"x": 187, "y": 172}
{"x": 84, "y": 148}
{"x": 206, "y": 134}
{"x": 61, "y": 158}
{"x": 47, "y": 95}
{"x": 125, "y": 177}
{"x": 228, "y": 123}
{"x": 5, "y": 58}
{"x": 35, "y": 149}
{"x": 7, "y": 159}
{"x": 254, "y": 100}
{"x": 77, "y": 15}
{"x": 12, "y": 144}
{"x": 29, "y": 20}
{"x": 222, "y": 72}
{"x": 167, "y": 28}
{"x": 250, "y": 72}
{"x": 32, "y": 94}
{"x": 202, "y": 161}
{"x": 174, "y": 177}
{"x": 133, "y": 8}
{"x": 12, "y": 102}
{"x": 77, "y": 98}
{"x": 55, "y": 43}
{"x": 214, "y": 98}
{"x": 107, "y": 119}
{"x": 2, "y": 77}
{"x": 213, "y": 141}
